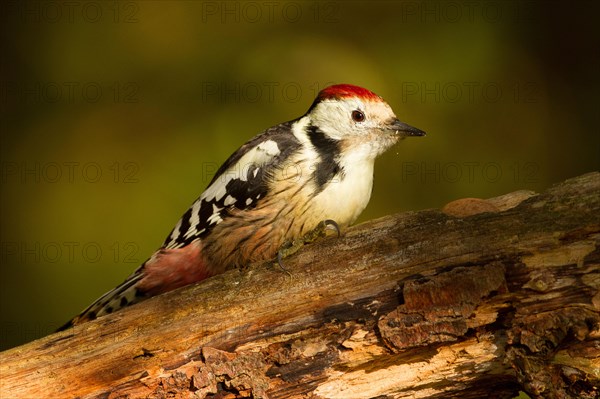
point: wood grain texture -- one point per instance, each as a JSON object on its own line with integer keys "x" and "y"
{"x": 483, "y": 299}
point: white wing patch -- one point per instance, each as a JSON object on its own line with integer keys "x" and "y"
{"x": 194, "y": 220}
{"x": 215, "y": 218}
{"x": 175, "y": 232}
{"x": 229, "y": 200}
{"x": 252, "y": 161}
{"x": 255, "y": 157}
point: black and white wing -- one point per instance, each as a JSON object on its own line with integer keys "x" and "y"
{"x": 239, "y": 183}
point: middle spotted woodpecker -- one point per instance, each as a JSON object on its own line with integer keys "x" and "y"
{"x": 276, "y": 188}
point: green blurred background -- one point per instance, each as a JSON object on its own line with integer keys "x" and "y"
{"x": 116, "y": 114}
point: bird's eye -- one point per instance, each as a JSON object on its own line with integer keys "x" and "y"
{"x": 358, "y": 116}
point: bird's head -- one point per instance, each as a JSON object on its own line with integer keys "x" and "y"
{"x": 357, "y": 117}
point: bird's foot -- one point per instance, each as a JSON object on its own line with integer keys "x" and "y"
{"x": 291, "y": 247}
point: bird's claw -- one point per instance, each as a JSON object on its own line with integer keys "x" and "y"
{"x": 291, "y": 247}
{"x": 284, "y": 251}
{"x": 329, "y": 223}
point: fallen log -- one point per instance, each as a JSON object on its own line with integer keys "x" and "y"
{"x": 484, "y": 298}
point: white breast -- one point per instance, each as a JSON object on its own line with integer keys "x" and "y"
{"x": 345, "y": 197}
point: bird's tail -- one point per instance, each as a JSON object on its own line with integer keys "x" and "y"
{"x": 166, "y": 270}
{"x": 123, "y": 295}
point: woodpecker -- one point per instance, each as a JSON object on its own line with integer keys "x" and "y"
{"x": 276, "y": 188}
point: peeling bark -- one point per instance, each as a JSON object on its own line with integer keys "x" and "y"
{"x": 481, "y": 299}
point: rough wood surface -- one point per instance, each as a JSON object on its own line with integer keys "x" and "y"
{"x": 482, "y": 299}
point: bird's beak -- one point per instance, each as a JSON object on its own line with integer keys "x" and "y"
{"x": 402, "y": 129}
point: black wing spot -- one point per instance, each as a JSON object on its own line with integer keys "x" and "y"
{"x": 185, "y": 222}
{"x": 242, "y": 190}
{"x": 206, "y": 210}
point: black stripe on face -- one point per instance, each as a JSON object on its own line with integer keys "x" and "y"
{"x": 328, "y": 150}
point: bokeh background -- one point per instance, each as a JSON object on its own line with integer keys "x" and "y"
{"x": 116, "y": 114}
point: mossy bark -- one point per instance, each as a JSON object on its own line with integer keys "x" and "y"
{"x": 481, "y": 299}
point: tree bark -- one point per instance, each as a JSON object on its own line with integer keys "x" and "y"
{"x": 481, "y": 299}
